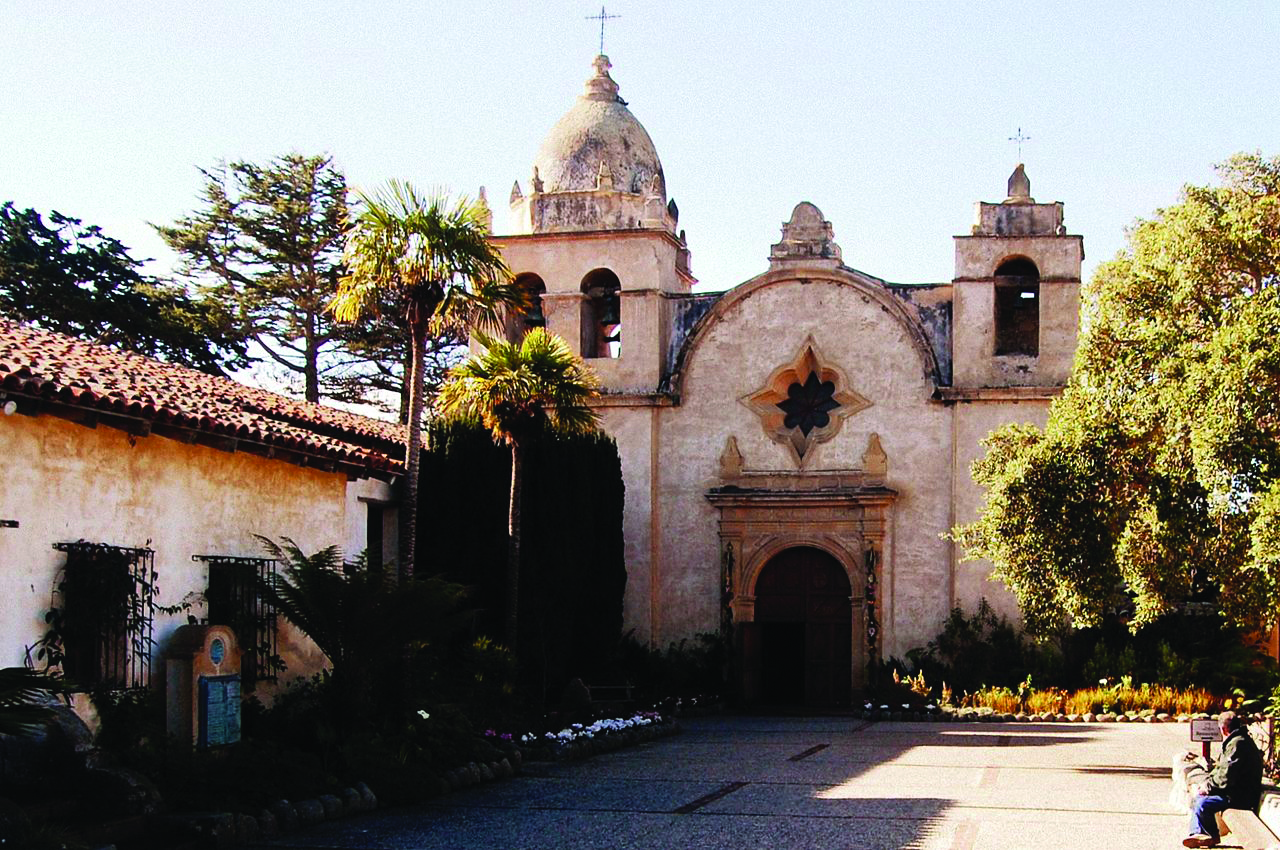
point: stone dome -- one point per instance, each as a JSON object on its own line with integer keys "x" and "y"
{"x": 598, "y": 142}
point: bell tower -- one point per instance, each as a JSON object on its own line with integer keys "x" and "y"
{"x": 1016, "y": 294}
{"x": 595, "y": 240}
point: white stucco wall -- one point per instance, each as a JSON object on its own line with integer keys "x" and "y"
{"x": 66, "y": 482}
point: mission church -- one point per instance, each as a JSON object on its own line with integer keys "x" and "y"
{"x": 793, "y": 448}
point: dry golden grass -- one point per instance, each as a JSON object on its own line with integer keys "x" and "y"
{"x": 1114, "y": 698}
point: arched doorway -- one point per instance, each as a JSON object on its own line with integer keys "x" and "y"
{"x": 804, "y": 630}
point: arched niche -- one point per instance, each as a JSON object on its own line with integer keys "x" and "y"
{"x": 1017, "y": 307}
{"x": 601, "y": 314}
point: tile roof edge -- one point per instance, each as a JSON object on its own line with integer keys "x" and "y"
{"x": 370, "y": 447}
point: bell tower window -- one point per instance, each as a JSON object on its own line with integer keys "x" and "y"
{"x": 601, "y": 315}
{"x": 1017, "y": 307}
{"x": 520, "y": 323}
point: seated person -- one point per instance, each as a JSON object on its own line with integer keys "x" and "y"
{"x": 1235, "y": 782}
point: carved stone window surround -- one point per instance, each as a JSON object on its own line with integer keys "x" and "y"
{"x": 773, "y": 402}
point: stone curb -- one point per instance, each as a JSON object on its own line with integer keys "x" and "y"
{"x": 224, "y": 829}
{"x": 997, "y": 717}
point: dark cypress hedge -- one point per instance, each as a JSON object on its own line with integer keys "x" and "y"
{"x": 572, "y": 574}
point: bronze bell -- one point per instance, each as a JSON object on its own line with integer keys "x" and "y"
{"x": 610, "y": 309}
{"x": 533, "y": 317}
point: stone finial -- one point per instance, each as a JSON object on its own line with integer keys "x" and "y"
{"x": 875, "y": 463}
{"x": 807, "y": 236}
{"x": 1019, "y": 187}
{"x": 673, "y": 211}
{"x": 516, "y": 194}
{"x": 601, "y": 86}
{"x": 535, "y": 182}
{"x": 730, "y": 459}
{"x": 483, "y": 202}
{"x": 604, "y": 177}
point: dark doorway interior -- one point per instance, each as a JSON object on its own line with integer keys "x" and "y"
{"x": 804, "y": 620}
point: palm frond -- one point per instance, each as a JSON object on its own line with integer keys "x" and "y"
{"x": 435, "y": 251}
{"x": 514, "y": 387}
{"x": 21, "y": 694}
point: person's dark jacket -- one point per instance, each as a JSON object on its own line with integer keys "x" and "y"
{"x": 1237, "y": 775}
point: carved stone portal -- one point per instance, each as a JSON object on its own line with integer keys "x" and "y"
{"x": 843, "y": 515}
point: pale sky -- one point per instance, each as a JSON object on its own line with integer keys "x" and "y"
{"x": 892, "y": 117}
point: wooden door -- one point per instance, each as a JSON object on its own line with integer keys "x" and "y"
{"x": 804, "y": 630}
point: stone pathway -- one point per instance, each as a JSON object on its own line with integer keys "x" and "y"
{"x": 752, "y": 782}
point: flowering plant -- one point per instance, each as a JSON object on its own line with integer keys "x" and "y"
{"x": 576, "y": 731}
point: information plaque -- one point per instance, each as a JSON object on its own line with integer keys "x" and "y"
{"x": 1206, "y": 729}
{"x": 219, "y": 711}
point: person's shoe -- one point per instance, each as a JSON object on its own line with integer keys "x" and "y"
{"x": 1199, "y": 840}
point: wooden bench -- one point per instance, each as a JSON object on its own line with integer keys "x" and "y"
{"x": 612, "y": 697}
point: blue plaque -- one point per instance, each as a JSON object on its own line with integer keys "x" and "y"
{"x": 217, "y": 651}
{"x": 219, "y": 711}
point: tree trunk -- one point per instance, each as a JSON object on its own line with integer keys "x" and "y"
{"x": 412, "y": 460}
{"x": 513, "y": 544}
{"x": 406, "y": 383}
{"x": 311, "y": 367}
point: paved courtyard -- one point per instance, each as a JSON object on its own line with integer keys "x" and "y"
{"x": 762, "y": 782}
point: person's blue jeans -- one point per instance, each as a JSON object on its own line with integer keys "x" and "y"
{"x": 1203, "y": 810}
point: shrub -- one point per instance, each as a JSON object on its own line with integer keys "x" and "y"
{"x": 685, "y": 669}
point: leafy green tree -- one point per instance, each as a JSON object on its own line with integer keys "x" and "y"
{"x": 1156, "y": 480}
{"x": 267, "y": 239}
{"x": 432, "y": 261}
{"x": 517, "y": 390}
{"x": 71, "y": 278}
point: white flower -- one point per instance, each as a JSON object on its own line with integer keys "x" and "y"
{"x": 423, "y": 714}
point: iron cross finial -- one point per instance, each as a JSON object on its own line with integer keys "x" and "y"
{"x": 1019, "y": 138}
{"x": 602, "y": 17}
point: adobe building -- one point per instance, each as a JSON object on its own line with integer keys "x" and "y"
{"x": 793, "y": 448}
{"x": 134, "y": 494}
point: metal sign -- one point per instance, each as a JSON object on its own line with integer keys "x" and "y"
{"x": 219, "y": 710}
{"x": 1206, "y": 729}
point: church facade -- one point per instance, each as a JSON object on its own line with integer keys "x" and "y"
{"x": 794, "y": 448}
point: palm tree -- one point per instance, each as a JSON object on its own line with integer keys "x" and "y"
{"x": 517, "y": 390}
{"x": 433, "y": 258}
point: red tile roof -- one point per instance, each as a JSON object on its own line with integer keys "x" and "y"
{"x": 64, "y": 371}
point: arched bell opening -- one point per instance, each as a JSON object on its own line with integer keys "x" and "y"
{"x": 520, "y": 322}
{"x": 1017, "y": 307}
{"x": 601, "y": 314}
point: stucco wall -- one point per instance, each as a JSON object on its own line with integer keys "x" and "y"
{"x": 747, "y": 339}
{"x": 973, "y": 422}
{"x": 65, "y": 482}
{"x": 632, "y": 428}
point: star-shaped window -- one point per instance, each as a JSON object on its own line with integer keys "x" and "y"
{"x": 808, "y": 405}
{"x": 804, "y": 402}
